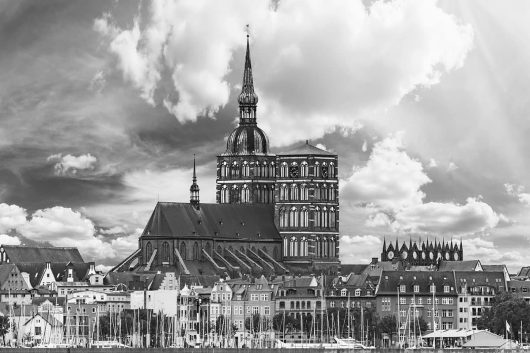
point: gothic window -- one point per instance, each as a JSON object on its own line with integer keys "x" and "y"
{"x": 264, "y": 170}
{"x": 316, "y": 192}
{"x": 324, "y": 217}
{"x": 234, "y": 170}
{"x": 257, "y": 170}
{"x": 220, "y": 250}
{"x": 304, "y": 192}
{"x": 225, "y": 195}
{"x": 294, "y": 192}
{"x": 293, "y": 170}
{"x": 304, "y": 219}
{"x": 148, "y": 251}
{"x": 285, "y": 247}
{"x": 183, "y": 250}
{"x": 271, "y": 194}
{"x": 165, "y": 251}
{"x": 293, "y": 248}
{"x": 284, "y": 170}
{"x": 331, "y": 170}
{"x": 324, "y": 192}
{"x": 303, "y": 169}
{"x": 245, "y": 194}
{"x": 332, "y": 193}
{"x": 324, "y": 247}
{"x": 265, "y": 192}
{"x": 324, "y": 170}
{"x": 235, "y": 194}
{"x": 283, "y": 218}
{"x": 303, "y": 247}
{"x": 224, "y": 170}
{"x": 195, "y": 251}
{"x": 293, "y": 217}
{"x": 317, "y": 169}
{"x": 283, "y": 192}
{"x": 272, "y": 172}
{"x": 331, "y": 244}
{"x": 317, "y": 247}
{"x": 332, "y": 217}
{"x": 316, "y": 217}
{"x": 246, "y": 169}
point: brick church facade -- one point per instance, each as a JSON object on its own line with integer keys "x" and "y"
{"x": 274, "y": 213}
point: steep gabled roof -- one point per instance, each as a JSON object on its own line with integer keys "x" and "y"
{"x": 469, "y": 265}
{"x": 233, "y": 221}
{"x": 23, "y": 254}
{"x": 391, "y": 280}
{"x": 5, "y": 272}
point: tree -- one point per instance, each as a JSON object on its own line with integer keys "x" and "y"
{"x": 387, "y": 324}
{"x": 285, "y": 323}
{"x": 4, "y": 327}
{"x": 506, "y": 308}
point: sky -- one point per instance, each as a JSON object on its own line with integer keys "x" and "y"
{"x": 104, "y": 103}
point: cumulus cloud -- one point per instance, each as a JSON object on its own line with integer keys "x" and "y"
{"x": 354, "y": 248}
{"x": 377, "y": 55}
{"x": 518, "y": 191}
{"x": 389, "y": 188}
{"x": 71, "y": 165}
{"x": 11, "y": 217}
{"x": 479, "y": 248}
{"x": 9, "y": 240}
{"x": 390, "y": 179}
{"x": 439, "y": 217}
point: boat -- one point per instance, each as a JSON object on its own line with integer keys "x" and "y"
{"x": 350, "y": 343}
{"x": 108, "y": 344}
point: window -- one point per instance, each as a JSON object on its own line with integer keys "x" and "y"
{"x": 357, "y": 292}
{"x": 385, "y": 304}
{"x": 264, "y": 297}
{"x": 332, "y": 304}
{"x": 429, "y": 301}
{"x": 254, "y": 297}
{"x": 420, "y": 301}
{"x": 402, "y": 301}
{"x": 446, "y": 289}
{"x": 412, "y": 301}
{"x": 266, "y": 310}
{"x": 416, "y": 288}
{"x": 403, "y": 313}
{"x": 343, "y": 292}
{"x": 38, "y": 330}
{"x": 433, "y": 288}
{"x": 402, "y": 288}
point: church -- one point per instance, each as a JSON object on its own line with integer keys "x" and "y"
{"x": 275, "y": 213}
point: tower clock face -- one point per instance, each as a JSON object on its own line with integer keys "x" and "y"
{"x": 293, "y": 171}
{"x": 415, "y": 255}
{"x": 431, "y": 255}
{"x": 456, "y": 257}
{"x": 404, "y": 255}
{"x": 390, "y": 255}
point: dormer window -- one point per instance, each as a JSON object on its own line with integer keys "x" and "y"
{"x": 343, "y": 292}
{"x": 402, "y": 288}
{"x": 357, "y": 292}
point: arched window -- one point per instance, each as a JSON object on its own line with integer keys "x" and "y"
{"x": 317, "y": 170}
{"x": 224, "y": 170}
{"x": 283, "y": 192}
{"x": 284, "y": 170}
{"x": 324, "y": 247}
{"x": 303, "y": 169}
{"x": 304, "y": 192}
{"x": 331, "y": 251}
{"x": 183, "y": 250}
{"x": 293, "y": 217}
{"x": 148, "y": 251}
{"x": 331, "y": 193}
{"x": 220, "y": 250}
{"x": 293, "y": 248}
{"x": 195, "y": 251}
{"x": 304, "y": 219}
{"x": 303, "y": 247}
{"x": 294, "y": 192}
{"x": 285, "y": 247}
{"x": 316, "y": 217}
{"x": 318, "y": 247}
{"x": 225, "y": 195}
{"x": 332, "y": 217}
{"x": 324, "y": 223}
{"x": 272, "y": 171}
{"x": 283, "y": 218}
{"x": 234, "y": 195}
{"x": 316, "y": 192}
{"x": 271, "y": 194}
{"x": 246, "y": 169}
{"x": 245, "y": 194}
{"x": 264, "y": 170}
{"x": 324, "y": 192}
{"x": 234, "y": 170}
{"x": 165, "y": 251}
{"x": 257, "y": 170}
{"x": 331, "y": 170}
{"x": 265, "y": 192}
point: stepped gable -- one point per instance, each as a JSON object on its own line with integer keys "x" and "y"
{"x": 241, "y": 221}
{"x": 31, "y": 254}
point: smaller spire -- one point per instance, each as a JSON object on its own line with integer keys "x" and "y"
{"x": 194, "y": 188}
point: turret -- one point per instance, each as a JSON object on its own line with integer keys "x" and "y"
{"x": 194, "y": 188}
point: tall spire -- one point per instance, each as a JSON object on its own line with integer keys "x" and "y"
{"x": 194, "y": 188}
{"x": 248, "y": 99}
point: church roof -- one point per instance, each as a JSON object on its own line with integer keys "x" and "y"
{"x": 306, "y": 148}
{"x": 232, "y": 221}
{"x": 31, "y": 254}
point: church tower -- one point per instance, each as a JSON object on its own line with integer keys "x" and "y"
{"x": 246, "y": 171}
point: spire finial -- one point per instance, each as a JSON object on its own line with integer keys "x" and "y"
{"x": 194, "y": 188}
{"x": 248, "y": 99}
